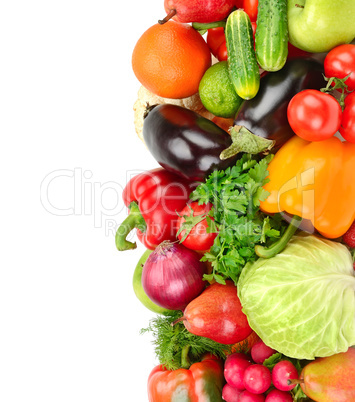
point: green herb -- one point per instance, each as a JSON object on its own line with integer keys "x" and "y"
{"x": 176, "y": 347}
{"x": 236, "y": 194}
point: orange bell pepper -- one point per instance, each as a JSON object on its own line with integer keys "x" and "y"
{"x": 315, "y": 181}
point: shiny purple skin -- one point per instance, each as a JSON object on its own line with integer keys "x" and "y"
{"x": 184, "y": 142}
{"x": 172, "y": 276}
{"x": 266, "y": 114}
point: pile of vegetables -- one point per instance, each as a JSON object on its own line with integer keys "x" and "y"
{"x": 249, "y": 224}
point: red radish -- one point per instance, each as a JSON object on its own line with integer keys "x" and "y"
{"x": 257, "y": 378}
{"x": 247, "y": 396}
{"x": 234, "y": 368}
{"x": 349, "y": 236}
{"x": 172, "y": 276}
{"x": 278, "y": 396}
{"x": 230, "y": 394}
{"x": 260, "y": 352}
{"x": 281, "y": 373}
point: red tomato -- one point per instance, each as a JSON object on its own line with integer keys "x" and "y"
{"x": 314, "y": 115}
{"x": 239, "y": 3}
{"x": 347, "y": 128}
{"x": 198, "y": 238}
{"x": 340, "y": 62}
{"x": 215, "y": 37}
{"x": 251, "y": 8}
{"x": 253, "y": 26}
{"x": 222, "y": 53}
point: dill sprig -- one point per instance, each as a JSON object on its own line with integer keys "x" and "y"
{"x": 172, "y": 341}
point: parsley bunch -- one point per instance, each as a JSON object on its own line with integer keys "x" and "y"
{"x": 236, "y": 194}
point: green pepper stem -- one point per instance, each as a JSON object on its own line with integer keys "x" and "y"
{"x": 133, "y": 220}
{"x": 185, "y": 361}
{"x": 277, "y": 247}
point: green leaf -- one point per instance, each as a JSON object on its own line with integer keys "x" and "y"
{"x": 236, "y": 194}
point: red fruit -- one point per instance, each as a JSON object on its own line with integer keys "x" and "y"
{"x": 278, "y": 396}
{"x": 281, "y": 373}
{"x": 247, "y": 396}
{"x": 349, "y": 236}
{"x": 260, "y": 352}
{"x": 231, "y": 394}
{"x": 234, "y": 368}
{"x": 197, "y": 10}
{"x": 257, "y": 378}
{"x": 217, "y": 314}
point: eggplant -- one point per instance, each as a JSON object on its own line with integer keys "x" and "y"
{"x": 184, "y": 142}
{"x": 266, "y": 114}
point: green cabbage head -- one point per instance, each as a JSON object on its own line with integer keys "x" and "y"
{"x": 302, "y": 301}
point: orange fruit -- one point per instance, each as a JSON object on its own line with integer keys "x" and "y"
{"x": 170, "y": 59}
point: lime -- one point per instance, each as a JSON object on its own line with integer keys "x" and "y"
{"x": 217, "y": 92}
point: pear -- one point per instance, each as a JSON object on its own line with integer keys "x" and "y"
{"x": 197, "y": 10}
{"x": 217, "y": 314}
{"x": 330, "y": 379}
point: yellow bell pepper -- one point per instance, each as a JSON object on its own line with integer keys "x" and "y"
{"x": 315, "y": 181}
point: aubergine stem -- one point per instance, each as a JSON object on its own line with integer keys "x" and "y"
{"x": 168, "y": 17}
{"x": 133, "y": 220}
{"x": 185, "y": 361}
{"x": 244, "y": 140}
{"x": 277, "y": 247}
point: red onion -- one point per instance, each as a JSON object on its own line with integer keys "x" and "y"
{"x": 172, "y": 276}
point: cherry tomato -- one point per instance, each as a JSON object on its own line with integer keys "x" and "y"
{"x": 239, "y": 3}
{"x": 215, "y": 37}
{"x": 314, "y": 115}
{"x": 340, "y": 62}
{"x": 347, "y": 128}
{"x": 198, "y": 239}
{"x": 222, "y": 53}
{"x": 251, "y": 8}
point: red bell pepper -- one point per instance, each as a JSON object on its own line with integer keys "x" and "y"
{"x": 202, "y": 382}
{"x": 153, "y": 198}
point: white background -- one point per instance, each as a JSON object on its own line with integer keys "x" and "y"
{"x": 69, "y": 319}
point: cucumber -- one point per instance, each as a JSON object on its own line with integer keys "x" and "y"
{"x": 242, "y": 65}
{"x": 271, "y": 36}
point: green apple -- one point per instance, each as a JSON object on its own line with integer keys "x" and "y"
{"x": 319, "y": 25}
{"x": 138, "y": 288}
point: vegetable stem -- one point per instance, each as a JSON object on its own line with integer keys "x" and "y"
{"x": 185, "y": 361}
{"x": 245, "y": 141}
{"x": 199, "y": 26}
{"x": 133, "y": 220}
{"x": 277, "y": 247}
{"x": 168, "y": 17}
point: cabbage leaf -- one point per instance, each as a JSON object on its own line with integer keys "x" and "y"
{"x": 302, "y": 301}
